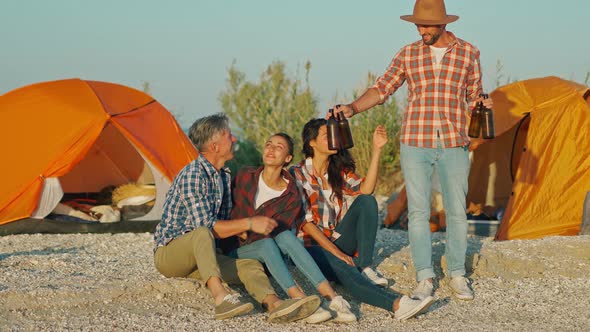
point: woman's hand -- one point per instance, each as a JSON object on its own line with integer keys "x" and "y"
{"x": 379, "y": 141}
{"x": 345, "y": 258}
{"x": 325, "y": 243}
{"x": 379, "y": 137}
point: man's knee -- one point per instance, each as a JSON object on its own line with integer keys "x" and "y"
{"x": 202, "y": 234}
{"x": 249, "y": 267}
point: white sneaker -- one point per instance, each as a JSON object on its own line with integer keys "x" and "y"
{"x": 409, "y": 307}
{"x": 342, "y": 309}
{"x": 320, "y": 315}
{"x": 461, "y": 289}
{"x": 424, "y": 290}
{"x": 375, "y": 277}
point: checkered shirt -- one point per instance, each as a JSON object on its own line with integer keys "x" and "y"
{"x": 317, "y": 208}
{"x": 199, "y": 196}
{"x": 451, "y": 93}
{"x": 286, "y": 209}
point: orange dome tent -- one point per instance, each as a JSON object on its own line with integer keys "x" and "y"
{"x": 88, "y": 135}
{"x": 538, "y": 166}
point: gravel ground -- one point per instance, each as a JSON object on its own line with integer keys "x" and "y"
{"x": 99, "y": 282}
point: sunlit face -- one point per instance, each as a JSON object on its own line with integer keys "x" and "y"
{"x": 276, "y": 152}
{"x": 430, "y": 33}
{"x": 320, "y": 143}
{"x": 224, "y": 144}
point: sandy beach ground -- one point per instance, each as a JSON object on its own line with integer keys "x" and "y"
{"x": 104, "y": 282}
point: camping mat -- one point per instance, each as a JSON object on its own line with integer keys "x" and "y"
{"x": 49, "y": 226}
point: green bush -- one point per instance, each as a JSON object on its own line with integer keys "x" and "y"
{"x": 245, "y": 154}
{"x": 275, "y": 104}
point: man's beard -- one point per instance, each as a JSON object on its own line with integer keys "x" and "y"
{"x": 434, "y": 38}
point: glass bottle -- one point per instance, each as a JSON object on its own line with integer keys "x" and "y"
{"x": 487, "y": 120}
{"x": 345, "y": 133}
{"x": 475, "y": 123}
{"x": 333, "y": 132}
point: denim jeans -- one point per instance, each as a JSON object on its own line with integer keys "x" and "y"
{"x": 268, "y": 251}
{"x": 351, "y": 279}
{"x": 293, "y": 247}
{"x": 358, "y": 230}
{"x": 452, "y": 165}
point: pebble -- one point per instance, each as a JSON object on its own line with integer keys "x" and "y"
{"x": 104, "y": 282}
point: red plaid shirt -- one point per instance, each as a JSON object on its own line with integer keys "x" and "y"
{"x": 457, "y": 84}
{"x": 317, "y": 209}
{"x": 286, "y": 209}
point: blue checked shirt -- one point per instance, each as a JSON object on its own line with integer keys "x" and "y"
{"x": 199, "y": 196}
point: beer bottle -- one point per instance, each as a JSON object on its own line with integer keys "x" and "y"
{"x": 333, "y": 132}
{"x": 487, "y": 121}
{"x": 475, "y": 123}
{"x": 345, "y": 133}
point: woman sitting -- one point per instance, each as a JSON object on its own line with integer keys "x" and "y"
{"x": 340, "y": 236}
{"x": 271, "y": 191}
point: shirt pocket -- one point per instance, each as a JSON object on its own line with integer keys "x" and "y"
{"x": 457, "y": 73}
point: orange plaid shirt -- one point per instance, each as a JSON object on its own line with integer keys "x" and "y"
{"x": 450, "y": 92}
{"x": 319, "y": 209}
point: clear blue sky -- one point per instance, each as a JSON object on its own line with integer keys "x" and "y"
{"x": 183, "y": 48}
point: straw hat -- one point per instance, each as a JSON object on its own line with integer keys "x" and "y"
{"x": 430, "y": 12}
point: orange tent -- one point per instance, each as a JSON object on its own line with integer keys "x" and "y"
{"x": 538, "y": 166}
{"x": 88, "y": 135}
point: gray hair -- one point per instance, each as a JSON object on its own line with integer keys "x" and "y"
{"x": 203, "y": 130}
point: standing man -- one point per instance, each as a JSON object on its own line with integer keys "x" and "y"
{"x": 444, "y": 82}
{"x": 196, "y": 211}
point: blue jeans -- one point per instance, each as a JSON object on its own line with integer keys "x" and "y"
{"x": 268, "y": 251}
{"x": 452, "y": 165}
{"x": 358, "y": 229}
{"x": 351, "y": 279}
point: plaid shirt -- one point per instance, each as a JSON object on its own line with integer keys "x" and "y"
{"x": 199, "y": 196}
{"x": 447, "y": 92}
{"x": 317, "y": 208}
{"x": 286, "y": 209}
